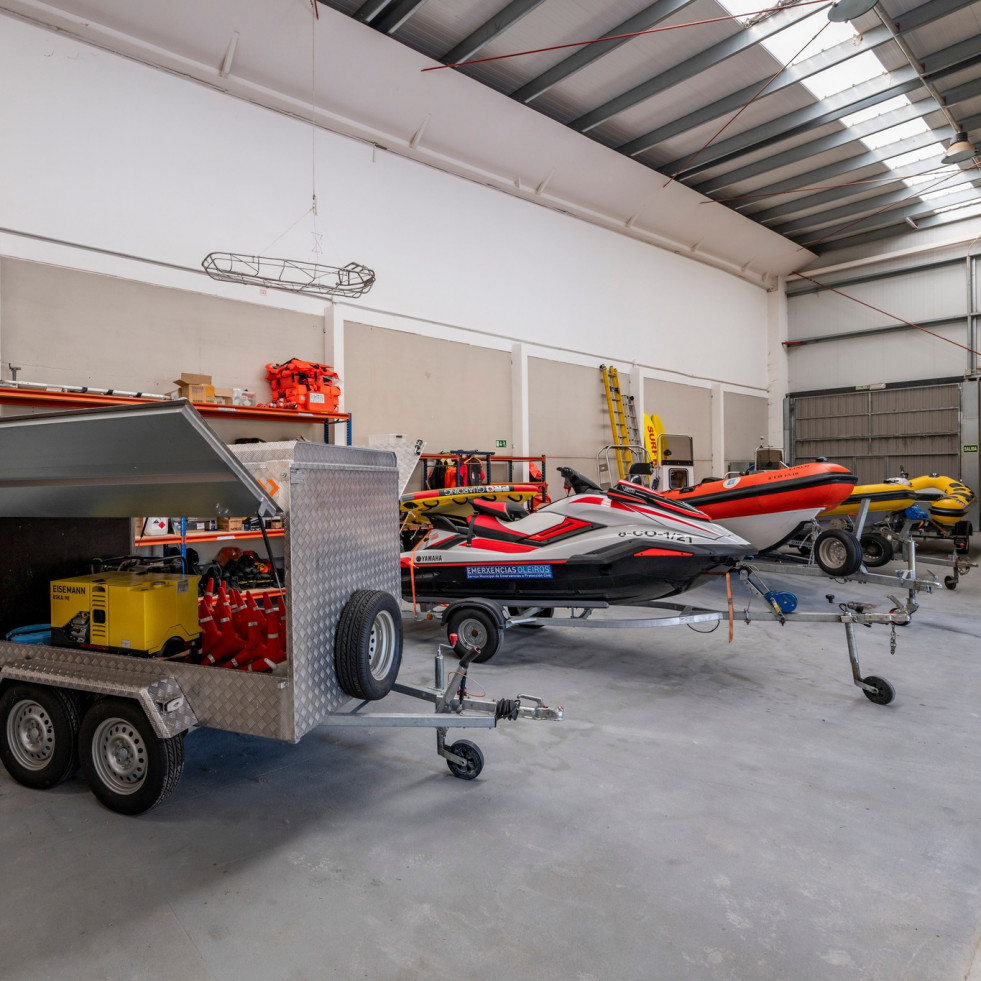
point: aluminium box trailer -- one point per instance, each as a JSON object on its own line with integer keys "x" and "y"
{"x": 124, "y": 718}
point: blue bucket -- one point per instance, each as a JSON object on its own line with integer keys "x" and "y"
{"x": 37, "y": 633}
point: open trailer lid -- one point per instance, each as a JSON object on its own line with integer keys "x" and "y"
{"x": 122, "y": 461}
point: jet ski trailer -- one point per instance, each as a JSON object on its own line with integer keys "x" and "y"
{"x": 124, "y": 718}
{"x": 476, "y": 625}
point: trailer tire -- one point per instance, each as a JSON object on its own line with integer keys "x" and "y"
{"x": 368, "y": 645}
{"x": 838, "y": 552}
{"x": 129, "y": 768}
{"x": 877, "y": 550}
{"x": 475, "y": 628}
{"x": 39, "y": 734}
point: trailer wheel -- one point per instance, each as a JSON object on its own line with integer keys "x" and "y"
{"x": 838, "y": 552}
{"x": 39, "y": 734}
{"x": 475, "y": 629}
{"x": 877, "y": 550}
{"x": 368, "y": 645}
{"x": 884, "y": 692}
{"x": 128, "y": 766}
{"x": 473, "y": 760}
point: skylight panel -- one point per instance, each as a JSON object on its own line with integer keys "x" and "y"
{"x": 839, "y": 78}
{"x": 894, "y": 134}
{"x": 863, "y": 115}
{"x": 815, "y": 33}
{"x": 932, "y": 152}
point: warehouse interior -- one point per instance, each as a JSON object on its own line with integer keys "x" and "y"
{"x": 513, "y": 234}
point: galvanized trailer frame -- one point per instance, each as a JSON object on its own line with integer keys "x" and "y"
{"x": 476, "y": 625}
{"x": 340, "y": 541}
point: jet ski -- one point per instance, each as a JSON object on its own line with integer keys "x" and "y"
{"x": 766, "y": 507}
{"x": 623, "y": 546}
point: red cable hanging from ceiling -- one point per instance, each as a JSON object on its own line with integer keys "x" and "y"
{"x": 908, "y": 323}
{"x": 756, "y": 95}
{"x": 622, "y": 37}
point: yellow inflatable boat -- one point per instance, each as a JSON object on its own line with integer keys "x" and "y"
{"x": 890, "y": 495}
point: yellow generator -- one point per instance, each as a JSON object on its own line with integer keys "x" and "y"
{"x": 126, "y": 612}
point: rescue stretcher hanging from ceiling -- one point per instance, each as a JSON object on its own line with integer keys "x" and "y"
{"x": 293, "y": 275}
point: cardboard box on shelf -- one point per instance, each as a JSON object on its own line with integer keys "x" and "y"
{"x": 197, "y": 388}
{"x": 231, "y": 524}
{"x": 224, "y": 396}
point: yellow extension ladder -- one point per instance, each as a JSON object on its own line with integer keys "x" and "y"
{"x": 623, "y": 419}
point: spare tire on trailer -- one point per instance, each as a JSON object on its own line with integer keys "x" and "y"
{"x": 368, "y": 644}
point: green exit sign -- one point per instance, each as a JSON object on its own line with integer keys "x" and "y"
{"x": 502, "y": 444}
{"x": 970, "y": 447}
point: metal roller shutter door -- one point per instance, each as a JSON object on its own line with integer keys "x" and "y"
{"x": 879, "y": 433}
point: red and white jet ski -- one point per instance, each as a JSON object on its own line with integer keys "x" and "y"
{"x": 627, "y": 545}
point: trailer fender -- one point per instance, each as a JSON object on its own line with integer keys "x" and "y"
{"x": 162, "y": 699}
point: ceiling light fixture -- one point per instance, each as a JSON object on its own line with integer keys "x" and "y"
{"x": 849, "y": 9}
{"x": 959, "y": 150}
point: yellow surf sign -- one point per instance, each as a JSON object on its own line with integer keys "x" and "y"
{"x": 652, "y": 429}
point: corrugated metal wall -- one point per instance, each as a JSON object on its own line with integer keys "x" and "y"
{"x": 879, "y": 433}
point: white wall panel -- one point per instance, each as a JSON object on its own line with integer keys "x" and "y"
{"x": 927, "y": 294}
{"x": 109, "y": 154}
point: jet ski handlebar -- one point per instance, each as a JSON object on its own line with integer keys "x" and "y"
{"x": 577, "y": 482}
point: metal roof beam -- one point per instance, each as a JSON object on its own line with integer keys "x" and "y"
{"x": 811, "y": 117}
{"x": 806, "y": 151}
{"x": 916, "y": 210}
{"x": 837, "y": 55}
{"x": 370, "y": 9}
{"x": 952, "y": 58}
{"x": 646, "y": 19}
{"x": 928, "y": 13}
{"x": 868, "y": 206}
{"x": 709, "y": 58}
{"x": 889, "y": 231}
{"x": 961, "y": 93}
{"x": 862, "y": 160}
{"x": 395, "y": 15}
{"x": 489, "y": 30}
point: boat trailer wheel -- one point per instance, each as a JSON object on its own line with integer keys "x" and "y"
{"x": 838, "y": 552}
{"x": 475, "y": 629}
{"x": 877, "y": 550}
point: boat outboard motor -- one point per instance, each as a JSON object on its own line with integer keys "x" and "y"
{"x": 576, "y": 482}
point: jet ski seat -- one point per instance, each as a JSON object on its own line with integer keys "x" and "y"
{"x": 502, "y": 510}
{"x": 577, "y": 481}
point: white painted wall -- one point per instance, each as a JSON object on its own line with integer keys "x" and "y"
{"x": 918, "y": 296}
{"x": 107, "y": 153}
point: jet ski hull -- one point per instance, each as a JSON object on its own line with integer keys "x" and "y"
{"x": 628, "y": 572}
{"x": 627, "y": 545}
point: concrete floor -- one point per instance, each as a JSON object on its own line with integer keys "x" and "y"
{"x": 705, "y": 811}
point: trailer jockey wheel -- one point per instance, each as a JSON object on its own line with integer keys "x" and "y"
{"x": 39, "y": 734}
{"x": 368, "y": 644}
{"x": 128, "y": 766}
{"x": 882, "y": 694}
{"x": 473, "y": 760}
{"x": 838, "y": 552}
